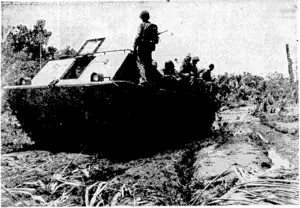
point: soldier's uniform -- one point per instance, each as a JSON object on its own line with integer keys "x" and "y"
{"x": 206, "y": 77}
{"x": 189, "y": 71}
{"x": 186, "y": 67}
{"x": 171, "y": 77}
{"x": 142, "y": 48}
{"x": 195, "y": 60}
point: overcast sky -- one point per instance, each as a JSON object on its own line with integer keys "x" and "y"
{"x": 234, "y": 35}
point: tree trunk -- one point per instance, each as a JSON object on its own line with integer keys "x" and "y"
{"x": 290, "y": 64}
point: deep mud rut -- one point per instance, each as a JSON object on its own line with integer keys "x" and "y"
{"x": 253, "y": 146}
{"x": 176, "y": 177}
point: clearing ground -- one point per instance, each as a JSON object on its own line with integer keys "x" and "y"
{"x": 246, "y": 150}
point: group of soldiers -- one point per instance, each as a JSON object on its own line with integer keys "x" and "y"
{"x": 144, "y": 44}
{"x": 189, "y": 70}
{"x": 143, "y": 48}
{"x": 189, "y": 76}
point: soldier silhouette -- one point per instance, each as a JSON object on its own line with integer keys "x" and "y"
{"x": 144, "y": 44}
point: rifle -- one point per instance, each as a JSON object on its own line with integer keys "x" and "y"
{"x": 162, "y": 32}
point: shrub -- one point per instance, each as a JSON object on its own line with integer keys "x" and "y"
{"x": 12, "y": 136}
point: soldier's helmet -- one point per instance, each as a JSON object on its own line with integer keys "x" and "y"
{"x": 145, "y": 15}
{"x": 169, "y": 68}
{"x": 186, "y": 60}
{"x": 211, "y": 67}
{"x": 169, "y": 64}
{"x": 188, "y": 57}
{"x": 195, "y": 59}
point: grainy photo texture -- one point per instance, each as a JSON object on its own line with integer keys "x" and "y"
{"x": 160, "y": 103}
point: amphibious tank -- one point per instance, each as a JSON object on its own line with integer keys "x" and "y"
{"x": 63, "y": 107}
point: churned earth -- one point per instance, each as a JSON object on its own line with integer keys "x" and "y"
{"x": 197, "y": 174}
{"x": 255, "y": 147}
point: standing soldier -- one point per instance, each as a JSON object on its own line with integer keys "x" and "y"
{"x": 144, "y": 44}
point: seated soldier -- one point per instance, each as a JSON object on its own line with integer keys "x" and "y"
{"x": 169, "y": 70}
{"x": 171, "y": 77}
{"x": 195, "y": 60}
{"x": 77, "y": 72}
{"x": 186, "y": 67}
{"x": 209, "y": 81}
{"x": 96, "y": 77}
{"x": 194, "y": 71}
{"x": 24, "y": 81}
{"x": 206, "y": 75}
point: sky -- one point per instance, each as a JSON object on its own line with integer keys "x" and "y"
{"x": 236, "y": 36}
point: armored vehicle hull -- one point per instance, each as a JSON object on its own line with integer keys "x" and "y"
{"x": 109, "y": 115}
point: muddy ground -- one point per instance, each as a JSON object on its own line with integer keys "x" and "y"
{"x": 185, "y": 176}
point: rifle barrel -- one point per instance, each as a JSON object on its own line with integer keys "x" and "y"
{"x": 162, "y": 32}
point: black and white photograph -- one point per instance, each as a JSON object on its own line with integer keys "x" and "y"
{"x": 149, "y": 103}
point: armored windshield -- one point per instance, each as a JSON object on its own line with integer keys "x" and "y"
{"x": 51, "y": 71}
{"x": 90, "y": 46}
